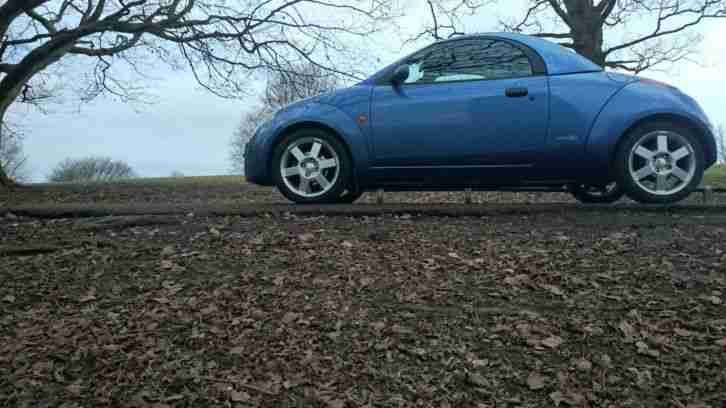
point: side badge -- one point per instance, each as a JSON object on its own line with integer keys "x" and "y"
{"x": 567, "y": 139}
{"x": 362, "y": 119}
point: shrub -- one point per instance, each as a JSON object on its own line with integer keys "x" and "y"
{"x": 90, "y": 169}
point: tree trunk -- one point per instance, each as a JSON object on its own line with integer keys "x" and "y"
{"x": 12, "y": 84}
{"x": 5, "y": 181}
{"x": 587, "y": 32}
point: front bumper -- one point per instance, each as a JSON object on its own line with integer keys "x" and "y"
{"x": 256, "y": 161}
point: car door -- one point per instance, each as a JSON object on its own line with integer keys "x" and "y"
{"x": 472, "y": 111}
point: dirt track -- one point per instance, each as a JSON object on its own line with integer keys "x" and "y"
{"x": 514, "y": 305}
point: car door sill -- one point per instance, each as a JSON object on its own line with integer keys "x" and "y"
{"x": 473, "y": 166}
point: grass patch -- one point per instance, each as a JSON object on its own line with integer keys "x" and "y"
{"x": 160, "y": 181}
{"x": 206, "y": 180}
{"x": 716, "y": 176}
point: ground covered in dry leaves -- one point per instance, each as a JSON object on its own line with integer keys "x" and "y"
{"x": 621, "y": 309}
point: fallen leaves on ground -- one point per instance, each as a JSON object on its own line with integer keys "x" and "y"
{"x": 545, "y": 310}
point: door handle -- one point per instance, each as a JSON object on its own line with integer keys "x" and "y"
{"x": 516, "y": 92}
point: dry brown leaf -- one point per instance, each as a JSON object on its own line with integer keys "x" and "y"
{"x": 683, "y": 332}
{"x": 555, "y": 290}
{"x": 88, "y": 297}
{"x": 479, "y": 362}
{"x": 535, "y": 381}
{"x": 378, "y": 326}
{"x": 606, "y": 361}
{"x": 583, "y": 364}
{"x": 478, "y": 380}
{"x": 290, "y": 317}
{"x": 557, "y": 397}
{"x": 645, "y": 350}
{"x": 75, "y": 389}
{"x": 239, "y": 396}
{"x": 306, "y": 237}
{"x": 517, "y": 279}
{"x": 336, "y": 403}
{"x": 552, "y": 342}
{"x": 209, "y": 310}
{"x": 627, "y": 329}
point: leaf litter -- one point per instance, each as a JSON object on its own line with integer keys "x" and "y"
{"x": 368, "y": 312}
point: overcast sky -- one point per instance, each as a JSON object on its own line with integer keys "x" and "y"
{"x": 189, "y": 130}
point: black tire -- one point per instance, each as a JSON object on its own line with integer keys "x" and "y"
{"x": 349, "y": 197}
{"x": 621, "y": 165}
{"x": 606, "y": 194}
{"x": 344, "y": 163}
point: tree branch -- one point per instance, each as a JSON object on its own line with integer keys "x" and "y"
{"x": 658, "y": 31}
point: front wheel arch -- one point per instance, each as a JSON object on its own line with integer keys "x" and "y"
{"x": 706, "y": 143}
{"x": 308, "y": 125}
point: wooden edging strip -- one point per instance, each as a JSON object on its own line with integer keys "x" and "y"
{"x": 355, "y": 210}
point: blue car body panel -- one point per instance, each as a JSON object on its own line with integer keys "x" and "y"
{"x": 469, "y": 134}
{"x": 639, "y": 101}
{"x": 336, "y": 111}
{"x": 463, "y": 132}
{"x": 576, "y": 102}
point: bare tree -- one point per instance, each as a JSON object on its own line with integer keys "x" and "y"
{"x": 12, "y": 158}
{"x": 248, "y": 124}
{"x": 597, "y": 28}
{"x": 220, "y": 41}
{"x": 90, "y": 169}
{"x": 592, "y": 28}
{"x": 282, "y": 89}
{"x": 446, "y": 17}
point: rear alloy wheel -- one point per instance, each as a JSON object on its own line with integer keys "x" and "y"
{"x": 589, "y": 194}
{"x": 311, "y": 167}
{"x": 660, "y": 163}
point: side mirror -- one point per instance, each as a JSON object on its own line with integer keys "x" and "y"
{"x": 400, "y": 75}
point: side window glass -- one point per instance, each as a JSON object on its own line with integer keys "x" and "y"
{"x": 503, "y": 60}
{"x": 468, "y": 60}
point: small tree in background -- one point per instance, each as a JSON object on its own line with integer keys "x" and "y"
{"x": 721, "y": 143}
{"x": 90, "y": 169}
{"x": 283, "y": 88}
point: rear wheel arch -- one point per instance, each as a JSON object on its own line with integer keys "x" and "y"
{"x": 314, "y": 126}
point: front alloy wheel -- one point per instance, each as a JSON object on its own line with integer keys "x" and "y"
{"x": 660, "y": 164}
{"x": 311, "y": 167}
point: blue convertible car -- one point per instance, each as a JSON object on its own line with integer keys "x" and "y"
{"x": 488, "y": 112}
